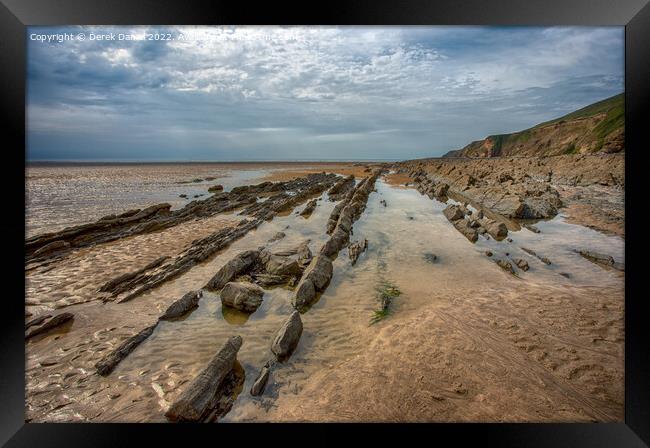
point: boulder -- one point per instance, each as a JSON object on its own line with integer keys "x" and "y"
{"x": 497, "y": 230}
{"x": 182, "y": 306}
{"x": 195, "y": 401}
{"x": 234, "y": 267}
{"x": 243, "y": 296}
{"x": 215, "y": 188}
{"x": 319, "y": 271}
{"x": 278, "y": 265}
{"x": 287, "y": 337}
{"x": 463, "y": 226}
{"x": 305, "y": 293}
{"x": 453, "y": 212}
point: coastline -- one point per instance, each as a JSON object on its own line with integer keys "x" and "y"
{"x": 460, "y": 311}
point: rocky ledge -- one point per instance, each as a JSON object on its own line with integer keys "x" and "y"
{"x": 159, "y": 216}
{"x": 516, "y": 187}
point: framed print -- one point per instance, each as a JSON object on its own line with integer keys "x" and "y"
{"x": 383, "y": 214}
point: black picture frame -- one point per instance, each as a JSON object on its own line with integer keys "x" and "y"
{"x": 16, "y": 15}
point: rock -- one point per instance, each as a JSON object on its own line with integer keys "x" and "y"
{"x": 53, "y": 246}
{"x": 234, "y": 267}
{"x": 243, "y": 296}
{"x": 488, "y": 253}
{"x": 497, "y": 230}
{"x": 462, "y": 225}
{"x": 47, "y": 362}
{"x": 199, "y": 396}
{"x": 357, "y": 249}
{"x": 305, "y": 293}
{"x": 383, "y": 202}
{"x": 309, "y": 208}
{"x": 37, "y": 320}
{"x": 509, "y": 240}
{"x": 111, "y": 360}
{"x": 506, "y": 266}
{"x": 534, "y": 254}
{"x": 182, "y": 306}
{"x": 453, "y": 212}
{"x": 48, "y": 324}
{"x": 287, "y": 337}
{"x": 565, "y": 274}
{"x": 286, "y": 266}
{"x": 430, "y": 257}
{"x": 319, "y": 272}
{"x": 215, "y": 188}
{"x": 260, "y": 382}
{"x": 265, "y": 279}
{"x": 596, "y": 257}
{"x": 440, "y": 190}
{"x": 182, "y": 195}
{"x": 522, "y": 264}
{"x": 278, "y": 236}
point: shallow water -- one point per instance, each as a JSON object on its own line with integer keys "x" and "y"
{"x": 63, "y": 195}
{"x": 337, "y": 328}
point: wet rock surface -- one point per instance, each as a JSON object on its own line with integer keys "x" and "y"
{"x": 199, "y": 397}
{"x": 159, "y": 216}
{"x": 287, "y": 337}
{"x": 243, "y": 296}
{"x": 182, "y": 306}
{"x": 601, "y": 259}
{"x": 355, "y": 249}
{"x": 318, "y": 274}
{"x": 521, "y": 187}
{"x": 106, "y": 365}
{"x": 233, "y": 268}
{"x": 544, "y": 260}
{"x": 47, "y": 323}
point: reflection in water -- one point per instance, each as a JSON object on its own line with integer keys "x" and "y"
{"x": 234, "y": 316}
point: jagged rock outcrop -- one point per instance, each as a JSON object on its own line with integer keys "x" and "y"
{"x": 357, "y": 248}
{"x": 237, "y": 265}
{"x": 318, "y": 274}
{"x": 108, "y": 363}
{"x": 159, "y": 216}
{"x": 199, "y": 397}
{"x": 182, "y": 306}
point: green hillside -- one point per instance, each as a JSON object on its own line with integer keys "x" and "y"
{"x": 599, "y": 127}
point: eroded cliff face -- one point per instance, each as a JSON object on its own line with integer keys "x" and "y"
{"x": 598, "y": 128}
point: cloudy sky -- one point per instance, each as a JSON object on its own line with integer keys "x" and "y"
{"x": 271, "y": 93}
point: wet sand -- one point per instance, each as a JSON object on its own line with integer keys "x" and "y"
{"x": 465, "y": 341}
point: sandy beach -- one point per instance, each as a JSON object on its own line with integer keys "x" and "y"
{"x": 463, "y": 339}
